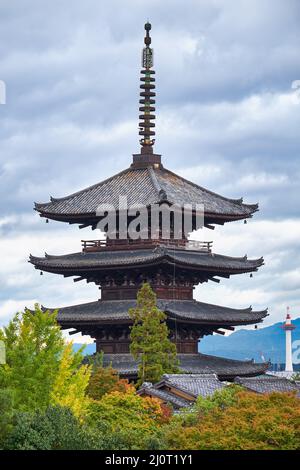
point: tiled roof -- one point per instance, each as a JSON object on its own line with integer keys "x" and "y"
{"x": 267, "y": 384}
{"x": 78, "y": 262}
{"x": 164, "y": 395}
{"x": 196, "y": 384}
{"x": 193, "y": 364}
{"x": 207, "y": 384}
{"x": 145, "y": 186}
{"x": 114, "y": 310}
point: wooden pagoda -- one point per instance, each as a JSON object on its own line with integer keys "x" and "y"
{"x": 173, "y": 266}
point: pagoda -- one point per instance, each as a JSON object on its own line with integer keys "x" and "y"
{"x": 172, "y": 265}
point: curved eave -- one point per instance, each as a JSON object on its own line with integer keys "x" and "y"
{"x": 62, "y": 264}
{"x": 225, "y": 369}
{"x": 90, "y": 218}
{"x": 186, "y": 311}
{"x": 148, "y": 186}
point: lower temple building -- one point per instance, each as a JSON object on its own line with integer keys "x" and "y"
{"x": 173, "y": 265}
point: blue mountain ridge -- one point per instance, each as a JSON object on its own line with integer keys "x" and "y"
{"x": 262, "y": 344}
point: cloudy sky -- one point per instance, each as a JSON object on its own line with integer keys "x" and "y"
{"x": 227, "y": 118}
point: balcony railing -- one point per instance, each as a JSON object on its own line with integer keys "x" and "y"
{"x": 129, "y": 244}
{"x": 199, "y": 245}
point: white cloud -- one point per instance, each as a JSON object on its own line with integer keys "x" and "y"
{"x": 227, "y": 119}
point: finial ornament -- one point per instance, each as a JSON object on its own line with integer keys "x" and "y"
{"x": 147, "y": 39}
{"x": 147, "y": 95}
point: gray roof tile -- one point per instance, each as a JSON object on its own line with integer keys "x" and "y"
{"x": 164, "y": 395}
{"x": 267, "y": 384}
{"x": 145, "y": 186}
{"x": 193, "y": 364}
{"x": 196, "y": 384}
{"x": 103, "y": 259}
{"x": 114, "y": 310}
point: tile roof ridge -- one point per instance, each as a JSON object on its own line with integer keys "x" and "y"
{"x": 161, "y": 192}
{"x": 191, "y": 375}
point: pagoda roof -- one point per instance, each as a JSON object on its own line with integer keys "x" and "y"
{"x": 83, "y": 262}
{"x": 144, "y": 186}
{"x": 193, "y": 364}
{"x": 184, "y": 310}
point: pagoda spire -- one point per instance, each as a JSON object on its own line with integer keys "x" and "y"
{"x": 146, "y": 157}
{"x": 147, "y": 96}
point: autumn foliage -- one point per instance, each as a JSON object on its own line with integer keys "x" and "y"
{"x": 243, "y": 421}
{"x": 49, "y": 399}
{"x": 134, "y": 420}
{"x": 105, "y": 380}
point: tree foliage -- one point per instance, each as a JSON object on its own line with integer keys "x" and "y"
{"x": 105, "y": 380}
{"x": 129, "y": 420}
{"x": 237, "y": 420}
{"x": 71, "y": 381}
{"x": 149, "y": 338}
{"x": 44, "y": 402}
{"x": 6, "y": 414}
{"x": 54, "y": 429}
{"x": 41, "y": 369}
{"x": 33, "y": 344}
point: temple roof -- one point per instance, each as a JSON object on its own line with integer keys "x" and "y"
{"x": 268, "y": 384}
{"x": 144, "y": 186}
{"x": 195, "y": 384}
{"x": 192, "y": 385}
{"x": 146, "y": 181}
{"x": 164, "y": 395}
{"x": 193, "y": 364}
{"x": 78, "y": 263}
{"x": 189, "y": 310}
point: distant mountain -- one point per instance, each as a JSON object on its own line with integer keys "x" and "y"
{"x": 262, "y": 344}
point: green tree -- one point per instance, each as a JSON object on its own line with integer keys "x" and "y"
{"x": 6, "y": 414}
{"x": 34, "y": 344}
{"x": 125, "y": 420}
{"x": 150, "y": 338}
{"x": 72, "y": 378}
{"x": 40, "y": 368}
{"x": 54, "y": 429}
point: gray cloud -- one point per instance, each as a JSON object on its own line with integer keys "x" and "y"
{"x": 227, "y": 119}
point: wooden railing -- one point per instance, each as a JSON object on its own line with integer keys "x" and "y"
{"x": 199, "y": 245}
{"x": 128, "y": 244}
{"x": 93, "y": 245}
